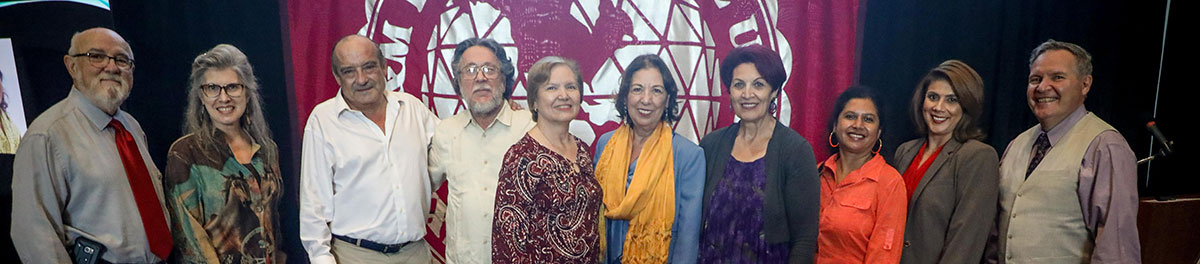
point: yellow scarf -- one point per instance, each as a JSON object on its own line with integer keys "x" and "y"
{"x": 649, "y": 203}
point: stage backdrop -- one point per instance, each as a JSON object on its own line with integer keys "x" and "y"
{"x": 816, "y": 38}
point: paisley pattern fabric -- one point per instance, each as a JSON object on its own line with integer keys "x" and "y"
{"x": 547, "y": 208}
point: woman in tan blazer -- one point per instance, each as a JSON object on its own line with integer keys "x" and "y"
{"x": 952, "y": 177}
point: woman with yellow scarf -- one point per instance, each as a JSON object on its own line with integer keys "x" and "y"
{"x": 652, "y": 178}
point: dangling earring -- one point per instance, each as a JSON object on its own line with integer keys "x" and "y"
{"x": 831, "y": 144}
{"x": 880, "y": 146}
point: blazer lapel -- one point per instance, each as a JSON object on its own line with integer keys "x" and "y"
{"x": 947, "y": 153}
{"x": 906, "y": 157}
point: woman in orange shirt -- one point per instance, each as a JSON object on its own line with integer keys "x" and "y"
{"x": 863, "y": 201}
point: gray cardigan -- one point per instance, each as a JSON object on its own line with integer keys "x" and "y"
{"x": 793, "y": 189}
{"x": 954, "y": 206}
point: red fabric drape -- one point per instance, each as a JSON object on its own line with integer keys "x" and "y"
{"x": 816, "y": 38}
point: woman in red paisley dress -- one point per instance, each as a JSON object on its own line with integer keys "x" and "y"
{"x": 547, "y": 198}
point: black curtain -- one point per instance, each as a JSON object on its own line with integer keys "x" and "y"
{"x": 40, "y": 37}
{"x": 903, "y": 39}
{"x": 167, "y": 35}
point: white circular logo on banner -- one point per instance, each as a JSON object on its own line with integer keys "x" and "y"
{"x": 418, "y": 38}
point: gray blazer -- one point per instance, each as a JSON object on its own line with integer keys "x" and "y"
{"x": 954, "y": 206}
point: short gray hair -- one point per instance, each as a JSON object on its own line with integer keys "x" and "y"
{"x": 1083, "y": 59}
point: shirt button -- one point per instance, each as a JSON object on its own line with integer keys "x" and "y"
{"x": 906, "y": 243}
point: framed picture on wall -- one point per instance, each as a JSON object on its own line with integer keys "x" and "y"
{"x": 12, "y": 112}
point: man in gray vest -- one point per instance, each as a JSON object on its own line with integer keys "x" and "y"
{"x": 1068, "y": 186}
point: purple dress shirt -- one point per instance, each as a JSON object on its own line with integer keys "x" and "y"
{"x": 1107, "y": 192}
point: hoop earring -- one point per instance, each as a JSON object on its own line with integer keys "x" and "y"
{"x": 831, "y": 144}
{"x": 880, "y": 146}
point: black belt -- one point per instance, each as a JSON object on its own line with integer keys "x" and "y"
{"x": 372, "y": 245}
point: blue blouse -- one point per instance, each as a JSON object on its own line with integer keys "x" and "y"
{"x": 689, "y": 191}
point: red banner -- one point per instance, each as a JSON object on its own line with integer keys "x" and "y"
{"x": 816, "y": 39}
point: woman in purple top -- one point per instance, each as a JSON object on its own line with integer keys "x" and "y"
{"x": 761, "y": 193}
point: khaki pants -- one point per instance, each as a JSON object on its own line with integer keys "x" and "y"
{"x": 415, "y": 252}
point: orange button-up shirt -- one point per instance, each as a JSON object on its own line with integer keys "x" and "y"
{"x": 862, "y": 217}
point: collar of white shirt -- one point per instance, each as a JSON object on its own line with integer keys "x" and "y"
{"x": 504, "y": 117}
{"x": 342, "y": 106}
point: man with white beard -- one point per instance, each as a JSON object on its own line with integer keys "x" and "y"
{"x": 84, "y": 186}
{"x": 468, "y": 148}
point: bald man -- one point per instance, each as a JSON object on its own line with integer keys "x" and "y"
{"x": 364, "y": 183}
{"x": 83, "y": 180}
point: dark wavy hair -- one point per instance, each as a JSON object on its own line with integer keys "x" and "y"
{"x": 506, "y": 66}
{"x": 648, "y": 61}
{"x": 966, "y": 84}
{"x": 765, "y": 60}
{"x": 855, "y": 92}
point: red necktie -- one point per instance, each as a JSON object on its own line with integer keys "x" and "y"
{"x": 144, "y": 194}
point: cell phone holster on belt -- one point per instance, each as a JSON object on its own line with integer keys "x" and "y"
{"x": 87, "y": 251}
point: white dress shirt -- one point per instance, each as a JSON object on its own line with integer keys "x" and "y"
{"x": 469, "y": 157}
{"x": 363, "y": 182}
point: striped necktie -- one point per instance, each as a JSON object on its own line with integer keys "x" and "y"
{"x": 1040, "y": 147}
